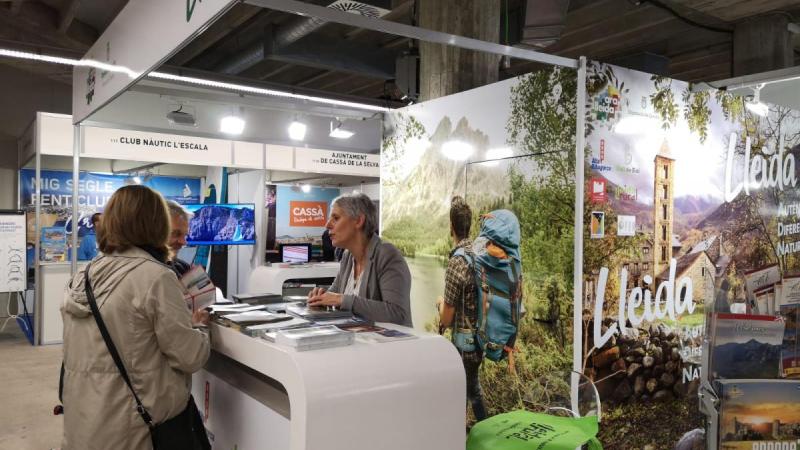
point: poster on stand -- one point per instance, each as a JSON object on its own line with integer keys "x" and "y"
{"x": 496, "y": 147}
{"x": 13, "y": 276}
{"x": 299, "y": 215}
{"x": 700, "y": 204}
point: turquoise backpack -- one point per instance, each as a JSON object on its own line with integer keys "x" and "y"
{"x": 498, "y": 291}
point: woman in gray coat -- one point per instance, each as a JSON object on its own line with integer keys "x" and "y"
{"x": 373, "y": 280}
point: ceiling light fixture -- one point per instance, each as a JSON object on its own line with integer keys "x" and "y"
{"x": 297, "y": 130}
{"x": 457, "y": 150}
{"x": 306, "y": 188}
{"x": 338, "y": 131}
{"x": 232, "y": 124}
{"x": 190, "y": 80}
{"x": 754, "y": 104}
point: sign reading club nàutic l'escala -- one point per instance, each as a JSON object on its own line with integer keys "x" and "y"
{"x": 144, "y": 146}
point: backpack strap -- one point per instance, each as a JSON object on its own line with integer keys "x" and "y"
{"x": 112, "y": 348}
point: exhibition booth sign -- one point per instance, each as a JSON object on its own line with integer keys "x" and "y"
{"x": 94, "y": 190}
{"x": 503, "y": 154}
{"x": 691, "y": 203}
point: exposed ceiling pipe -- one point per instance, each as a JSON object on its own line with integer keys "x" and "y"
{"x": 282, "y": 37}
{"x": 544, "y": 22}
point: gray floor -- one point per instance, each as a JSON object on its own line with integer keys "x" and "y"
{"x": 28, "y": 392}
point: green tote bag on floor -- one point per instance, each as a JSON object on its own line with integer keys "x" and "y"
{"x": 524, "y": 430}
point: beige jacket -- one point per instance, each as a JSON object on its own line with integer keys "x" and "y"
{"x": 142, "y": 305}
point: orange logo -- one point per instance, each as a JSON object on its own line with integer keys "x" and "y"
{"x": 308, "y": 214}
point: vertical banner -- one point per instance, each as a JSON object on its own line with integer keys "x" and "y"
{"x": 509, "y": 145}
{"x": 691, "y": 206}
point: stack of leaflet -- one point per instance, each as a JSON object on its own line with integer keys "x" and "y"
{"x": 228, "y": 308}
{"x": 261, "y": 329}
{"x": 744, "y": 346}
{"x": 244, "y": 319}
{"x": 316, "y": 313}
{"x": 313, "y": 338}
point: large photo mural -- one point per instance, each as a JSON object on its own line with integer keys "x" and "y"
{"x": 504, "y": 146}
{"x": 689, "y": 209}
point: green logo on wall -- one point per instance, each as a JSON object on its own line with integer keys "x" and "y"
{"x": 190, "y": 8}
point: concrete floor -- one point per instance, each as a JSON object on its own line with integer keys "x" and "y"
{"x": 28, "y": 392}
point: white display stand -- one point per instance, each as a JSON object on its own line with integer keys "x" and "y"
{"x": 391, "y": 396}
{"x": 270, "y": 279}
{"x": 54, "y": 279}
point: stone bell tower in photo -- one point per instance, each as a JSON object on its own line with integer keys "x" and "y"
{"x": 663, "y": 208}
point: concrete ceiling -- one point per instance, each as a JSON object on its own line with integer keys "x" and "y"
{"x": 617, "y": 31}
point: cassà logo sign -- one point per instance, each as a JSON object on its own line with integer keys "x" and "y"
{"x": 190, "y": 4}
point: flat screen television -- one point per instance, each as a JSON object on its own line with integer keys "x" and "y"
{"x": 295, "y": 253}
{"x": 222, "y": 224}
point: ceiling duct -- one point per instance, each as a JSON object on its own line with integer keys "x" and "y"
{"x": 544, "y": 22}
{"x": 295, "y": 30}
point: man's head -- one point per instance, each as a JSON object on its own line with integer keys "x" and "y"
{"x": 96, "y": 220}
{"x": 179, "y": 225}
{"x": 460, "y": 218}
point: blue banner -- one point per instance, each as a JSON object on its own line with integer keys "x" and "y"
{"x": 95, "y": 189}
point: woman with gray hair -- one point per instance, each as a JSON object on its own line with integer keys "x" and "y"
{"x": 373, "y": 280}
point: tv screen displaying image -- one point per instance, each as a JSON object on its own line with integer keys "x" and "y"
{"x": 295, "y": 253}
{"x": 222, "y": 224}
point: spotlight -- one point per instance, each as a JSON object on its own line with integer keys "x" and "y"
{"x": 232, "y": 125}
{"x": 306, "y": 188}
{"x": 338, "y": 131}
{"x": 297, "y": 130}
{"x": 137, "y": 179}
{"x": 457, "y": 150}
{"x": 754, "y": 104}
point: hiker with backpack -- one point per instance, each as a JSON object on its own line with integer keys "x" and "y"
{"x": 483, "y": 293}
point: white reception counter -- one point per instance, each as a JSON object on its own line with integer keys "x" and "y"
{"x": 393, "y": 396}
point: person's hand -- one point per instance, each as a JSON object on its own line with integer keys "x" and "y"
{"x": 316, "y": 292}
{"x": 325, "y": 299}
{"x": 200, "y": 317}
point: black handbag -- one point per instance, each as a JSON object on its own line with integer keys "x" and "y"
{"x": 182, "y": 432}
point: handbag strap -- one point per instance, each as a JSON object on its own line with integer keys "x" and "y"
{"x": 112, "y": 348}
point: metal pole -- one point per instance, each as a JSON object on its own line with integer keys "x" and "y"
{"x": 399, "y": 29}
{"x": 76, "y": 156}
{"x": 37, "y": 268}
{"x": 577, "y": 283}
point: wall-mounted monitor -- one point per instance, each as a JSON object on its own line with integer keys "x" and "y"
{"x": 295, "y": 253}
{"x": 222, "y": 224}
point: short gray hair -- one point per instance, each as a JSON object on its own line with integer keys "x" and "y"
{"x": 355, "y": 205}
{"x": 175, "y": 209}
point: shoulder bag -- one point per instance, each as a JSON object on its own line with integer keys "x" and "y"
{"x": 182, "y": 432}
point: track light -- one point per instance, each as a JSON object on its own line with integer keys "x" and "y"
{"x": 190, "y": 80}
{"x": 338, "y": 131}
{"x": 231, "y": 125}
{"x": 754, "y": 104}
{"x": 297, "y": 130}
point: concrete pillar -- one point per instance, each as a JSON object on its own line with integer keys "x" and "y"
{"x": 762, "y": 44}
{"x": 445, "y": 69}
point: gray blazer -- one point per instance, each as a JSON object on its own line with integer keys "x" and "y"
{"x": 385, "y": 291}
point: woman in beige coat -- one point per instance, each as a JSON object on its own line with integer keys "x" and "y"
{"x": 158, "y": 338}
